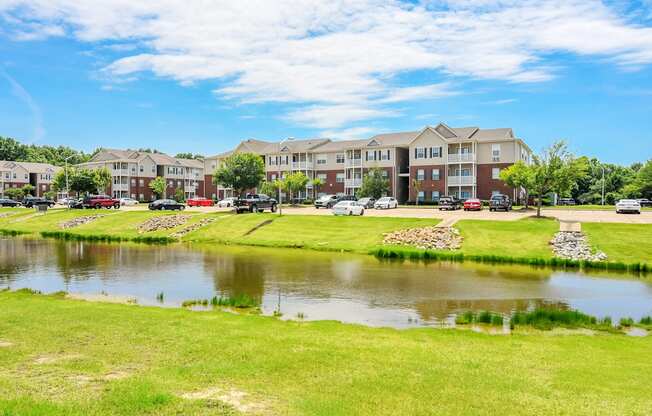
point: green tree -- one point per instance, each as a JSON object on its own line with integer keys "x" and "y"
{"x": 295, "y": 183}
{"x": 14, "y": 193}
{"x": 269, "y": 188}
{"x": 189, "y": 155}
{"x": 641, "y": 186}
{"x": 102, "y": 179}
{"x": 158, "y": 186}
{"x": 317, "y": 183}
{"x": 374, "y": 184}
{"x": 519, "y": 175}
{"x": 416, "y": 185}
{"x": 179, "y": 195}
{"x": 49, "y": 194}
{"x": 82, "y": 181}
{"x": 28, "y": 189}
{"x": 240, "y": 172}
{"x": 555, "y": 170}
{"x": 11, "y": 149}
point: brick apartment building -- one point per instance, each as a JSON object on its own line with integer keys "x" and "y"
{"x": 19, "y": 174}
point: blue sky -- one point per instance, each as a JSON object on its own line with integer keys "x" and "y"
{"x": 181, "y": 77}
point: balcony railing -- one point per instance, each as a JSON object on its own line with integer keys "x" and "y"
{"x": 353, "y": 183}
{"x": 120, "y": 186}
{"x": 461, "y": 157}
{"x": 461, "y": 180}
{"x": 353, "y": 163}
{"x": 120, "y": 172}
{"x": 302, "y": 165}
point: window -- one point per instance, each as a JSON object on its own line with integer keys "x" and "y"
{"x": 142, "y": 169}
{"x": 133, "y": 182}
{"x": 339, "y": 158}
{"x": 419, "y": 152}
{"x": 421, "y": 175}
{"x": 465, "y": 195}
{"x": 495, "y": 173}
{"x": 322, "y": 159}
{"x": 339, "y": 177}
{"x": 141, "y": 196}
{"x": 153, "y": 169}
{"x": 178, "y": 184}
{"x": 26, "y": 176}
{"x": 435, "y": 152}
{"x": 133, "y": 169}
{"x": 133, "y": 196}
{"x": 141, "y": 182}
{"x": 495, "y": 152}
{"x": 495, "y": 193}
{"x": 384, "y": 154}
{"x": 435, "y": 195}
{"x": 322, "y": 176}
{"x": 435, "y": 174}
{"x": 421, "y": 195}
{"x": 385, "y": 174}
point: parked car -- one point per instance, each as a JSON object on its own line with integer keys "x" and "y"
{"x": 76, "y": 203}
{"x": 348, "y": 208}
{"x": 500, "y": 202}
{"x": 200, "y": 201}
{"x": 6, "y": 202}
{"x": 226, "y": 203}
{"x": 628, "y": 205}
{"x": 565, "y": 201}
{"x": 100, "y": 201}
{"x": 449, "y": 203}
{"x": 166, "y": 205}
{"x": 473, "y": 204}
{"x": 386, "y": 202}
{"x": 367, "y": 203}
{"x": 329, "y": 201}
{"x": 32, "y": 201}
{"x": 645, "y": 202}
{"x": 128, "y": 202}
{"x": 255, "y": 203}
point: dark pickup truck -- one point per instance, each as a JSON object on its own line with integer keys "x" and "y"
{"x": 254, "y": 203}
{"x": 500, "y": 202}
{"x": 449, "y": 203}
{"x": 100, "y": 201}
{"x": 33, "y": 201}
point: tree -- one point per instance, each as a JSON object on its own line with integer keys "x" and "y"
{"x": 82, "y": 181}
{"x": 14, "y": 193}
{"x": 641, "y": 186}
{"x": 295, "y": 183}
{"x": 28, "y": 189}
{"x": 374, "y": 184}
{"x": 49, "y": 194}
{"x": 416, "y": 185}
{"x": 189, "y": 155}
{"x": 179, "y": 195}
{"x": 158, "y": 186}
{"x": 240, "y": 171}
{"x": 11, "y": 149}
{"x": 102, "y": 179}
{"x": 555, "y": 170}
{"x": 519, "y": 175}
{"x": 269, "y": 188}
{"x": 317, "y": 183}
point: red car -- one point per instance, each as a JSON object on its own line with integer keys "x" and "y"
{"x": 473, "y": 204}
{"x": 200, "y": 202}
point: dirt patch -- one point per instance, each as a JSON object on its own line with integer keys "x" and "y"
{"x": 126, "y": 300}
{"x": 76, "y": 222}
{"x": 52, "y": 359}
{"x": 164, "y": 222}
{"x": 192, "y": 227}
{"x": 235, "y": 398}
{"x": 5, "y": 344}
{"x": 438, "y": 238}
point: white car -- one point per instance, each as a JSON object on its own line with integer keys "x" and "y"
{"x": 386, "y": 202}
{"x": 128, "y": 202}
{"x": 628, "y": 205}
{"x": 348, "y": 208}
{"x": 226, "y": 203}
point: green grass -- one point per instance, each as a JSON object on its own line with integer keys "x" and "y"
{"x": 64, "y": 357}
{"x": 621, "y": 242}
{"x": 528, "y": 237}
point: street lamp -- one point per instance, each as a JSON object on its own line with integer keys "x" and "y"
{"x": 602, "y": 185}
{"x": 67, "y": 187}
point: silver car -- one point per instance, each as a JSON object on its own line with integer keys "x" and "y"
{"x": 628, "y": 205}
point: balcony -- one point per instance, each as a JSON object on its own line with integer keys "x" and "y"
{"x": 353, "y": 163}
{"x": 302, "y": 165}
{"x": 121, "y": 172}
{"x": 461, "y": 157}
{"x": 461, "y": 180}
{"x": 353, "y": 183}
{"x": 120, "y": 187}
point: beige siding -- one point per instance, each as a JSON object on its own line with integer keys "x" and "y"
{"x": 428, "y": 139}
{"x": 507, "y": 152}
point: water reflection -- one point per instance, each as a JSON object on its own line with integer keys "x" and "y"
{"x": 319, "y": 285}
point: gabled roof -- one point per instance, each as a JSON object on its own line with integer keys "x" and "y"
{"x": 29, "y": 166}
{"x": 295, "y": 146}
{"x": 253, "y": 146}
{"x": 108, "y": 155}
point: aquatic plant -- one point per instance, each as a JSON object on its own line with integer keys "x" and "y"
{"x": 241, "y": 301}
{"x": 548, "y": 318}
{"x": 106, "y": 238}
{"x": 626, "y": 322}
{"x": 484, "y": 317}
{"x": 300, "y": 315}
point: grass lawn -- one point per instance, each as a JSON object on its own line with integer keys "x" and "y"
{"x": 64, "y": 357}
{"x": 628, "y": 243}
{"x": 528, "y": 237}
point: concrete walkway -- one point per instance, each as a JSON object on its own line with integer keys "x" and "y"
{"x": 570, "y": 226}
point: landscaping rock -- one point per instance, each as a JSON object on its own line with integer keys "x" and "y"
{"x": 438, "y": 238}
{"x": 164, "y": 222}
{"x": 75, "y": 222}
{"x": 192, "y": 227}
{"x": 573, "y": 245}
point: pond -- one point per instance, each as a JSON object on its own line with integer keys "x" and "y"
{"x": 333, "y": 286}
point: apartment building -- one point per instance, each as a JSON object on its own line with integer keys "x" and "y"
{"x": 19, "y": 174}
{"x": 211, "y": 190}
{"x": 465, "y": 161}
{"x": 132, "y": 171}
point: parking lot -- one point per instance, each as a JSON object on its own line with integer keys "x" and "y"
{"x": 432, "y": 212}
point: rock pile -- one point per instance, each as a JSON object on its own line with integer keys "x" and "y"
{"x": 439, "y": 238}
{"x": 163, "y": 222}
{"x": 192, "y": 227}
{"x": 76, "y": 222}
{"x": 573, "y": 245}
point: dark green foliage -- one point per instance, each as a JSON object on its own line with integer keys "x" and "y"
{"x": 11, "y": 233}
{"x": 484, "y": 317}
{"x": 240, "y": 171}
{"x": 106, "y": 238}
{"x": 241, "y": 301}
{"x": 626, "y": 322}
{"x": 549, "y": 318}
{"x": 11, "y": 149}
{"x": 646, "y": 320}
{"x": 374, "y": 184}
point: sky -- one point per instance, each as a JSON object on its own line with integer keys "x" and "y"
{"x": 200, "y": 76}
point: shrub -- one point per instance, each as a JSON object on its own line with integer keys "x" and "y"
{"x": 646, "y": 320}
{"x": 241, "y": 301}
{"x": 626, "y": 322}
{"x": 548, "y": 318}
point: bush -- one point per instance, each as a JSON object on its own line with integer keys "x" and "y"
{"x": 646, "y": 320}
{"x": 626, "y": 322}
{"x": 546, "y": 319}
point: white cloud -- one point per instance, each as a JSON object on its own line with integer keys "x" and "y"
{"x": 502, "y": 102}
{"x": 342, "y": 59}
{"x": 23, "y": 95}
